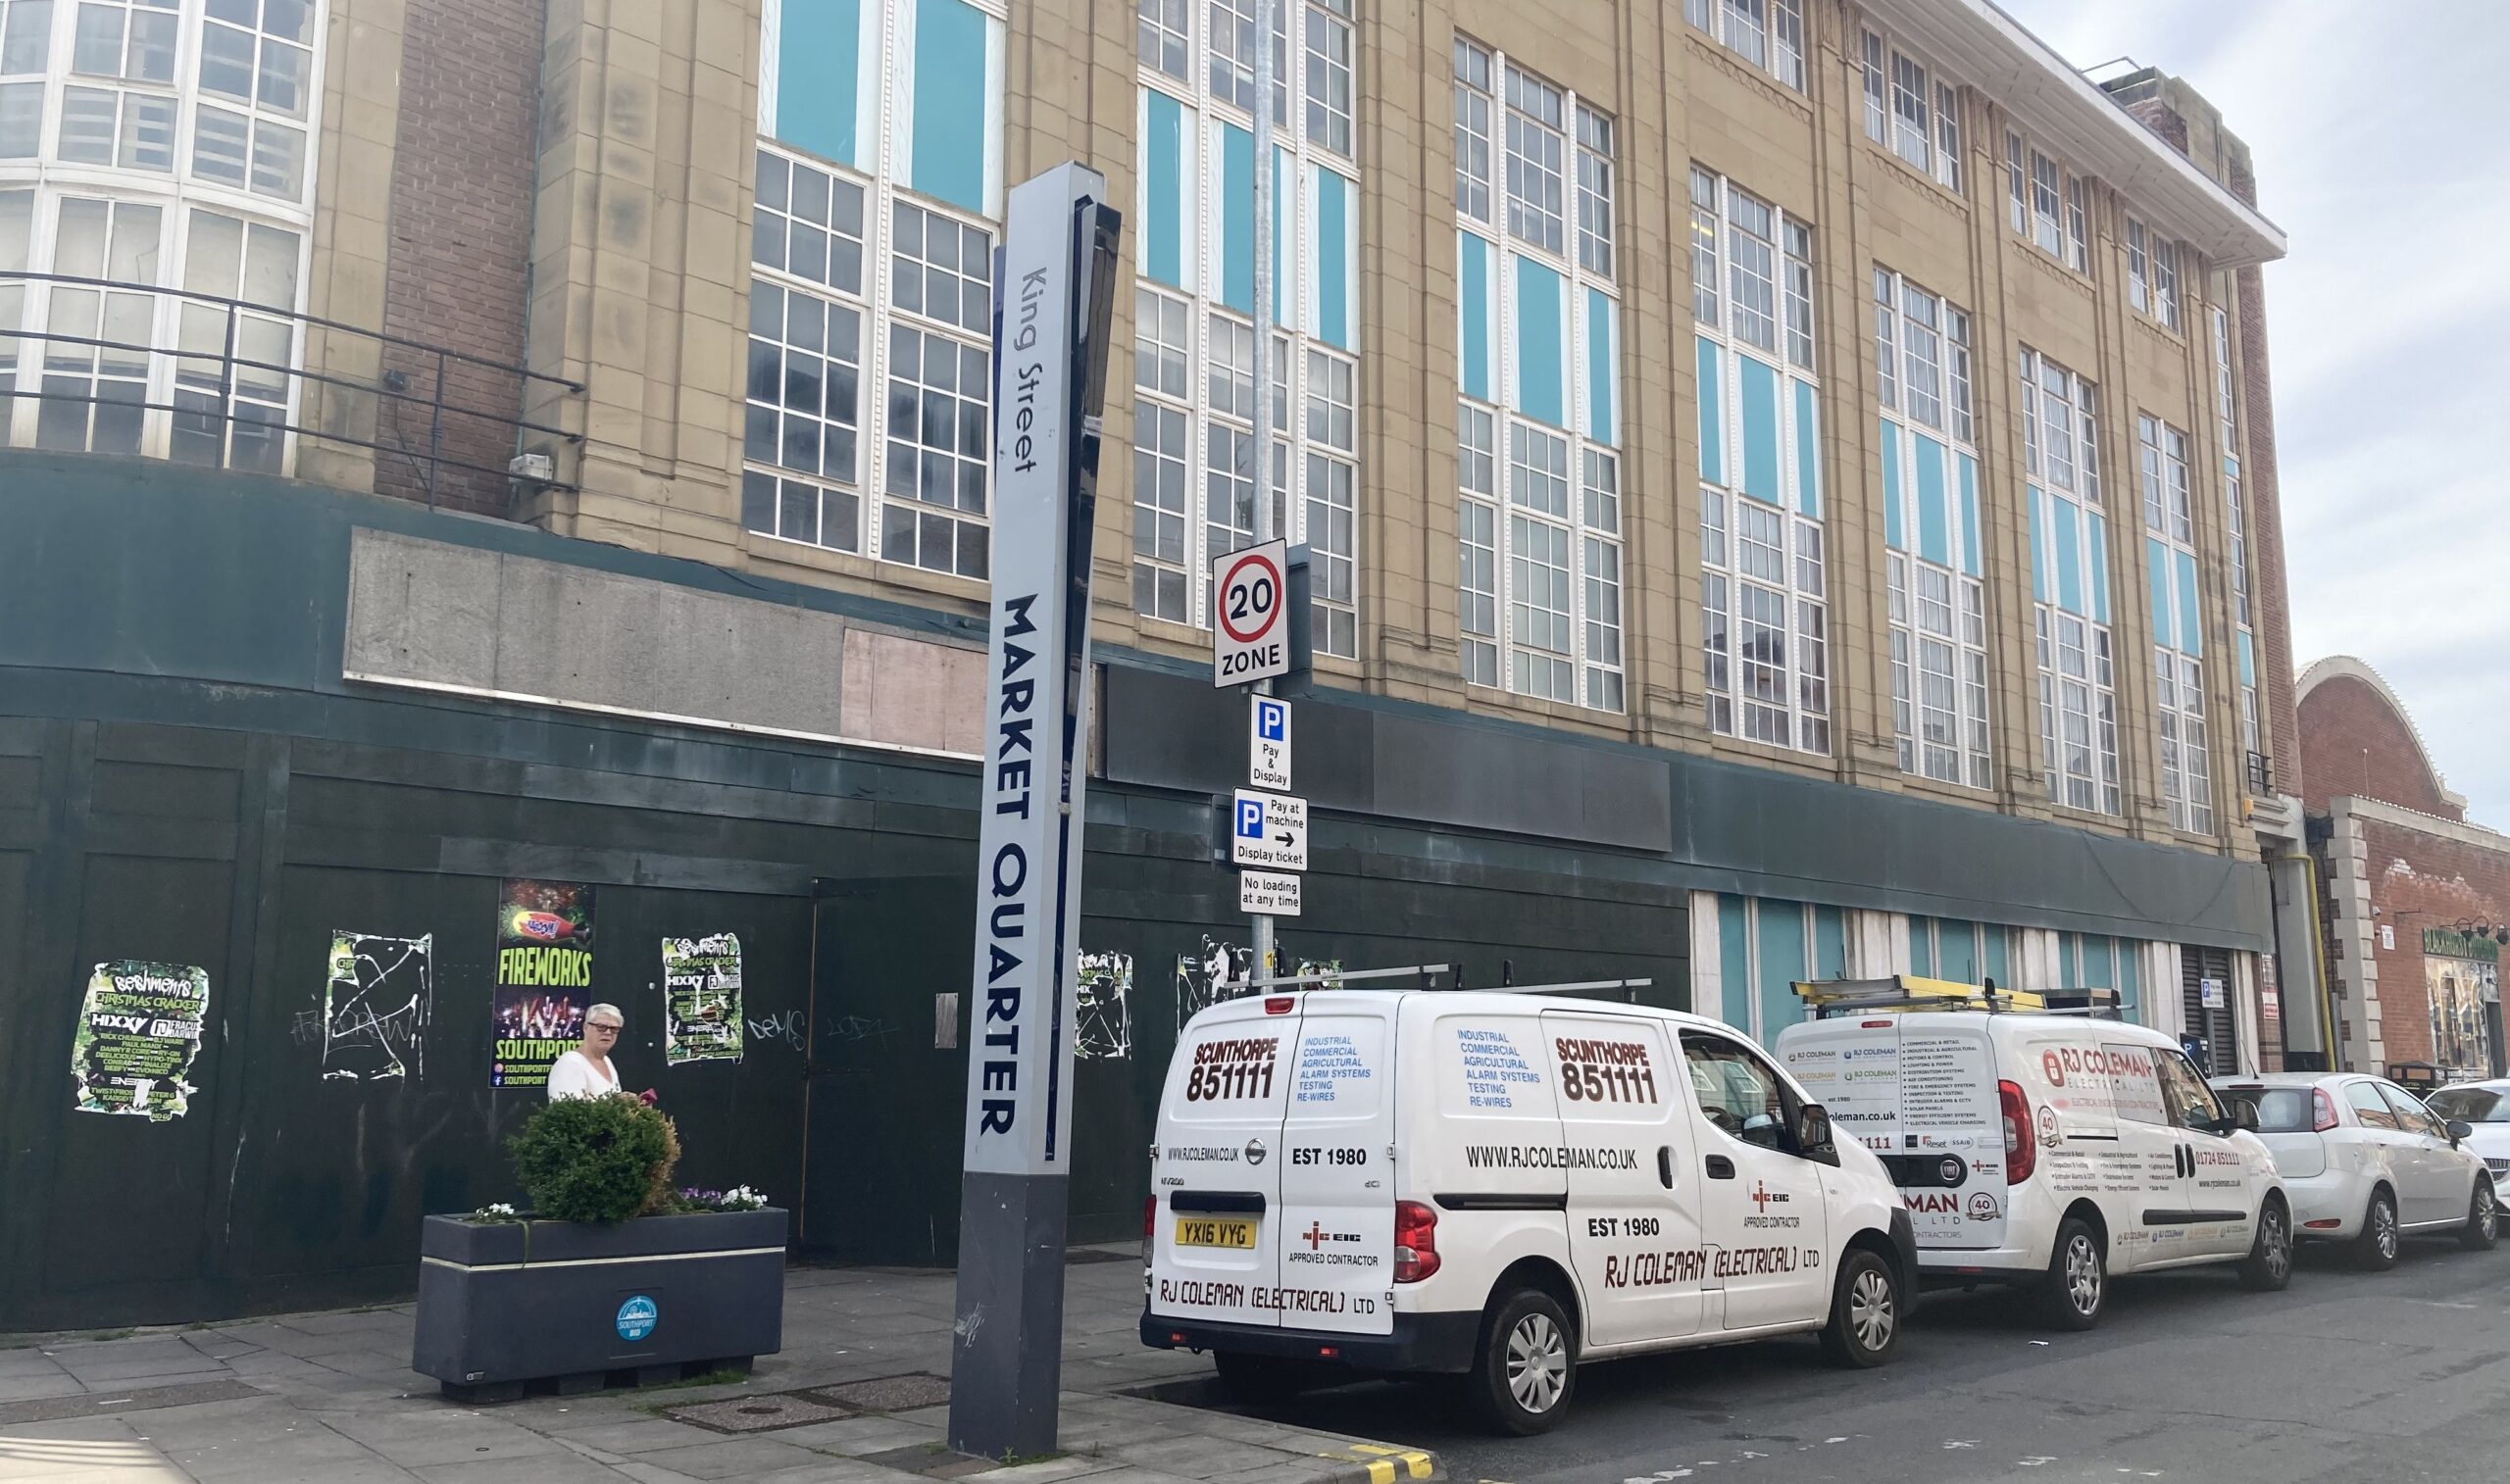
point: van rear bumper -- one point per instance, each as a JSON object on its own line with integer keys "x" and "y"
{"x": 1421, "y": 1342}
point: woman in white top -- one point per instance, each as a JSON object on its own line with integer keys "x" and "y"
{"x": 586, "y": 1071}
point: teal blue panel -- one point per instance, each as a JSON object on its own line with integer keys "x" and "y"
{"x": 1782, "y": 943}
{"x": 1733, "y": 964}
{"x": 2127, "y": 976}
{"x": 1756, "y": 386}
{"x": 1603, "y": 368}
{"x": 1934, "y": 526}
{"x": 1808, "y": 457}
{"x": 2157, "y": 567}
{"x": 947, "y": 158}
{"x": 2067, "y": 521}
{"x": 1829, "y": 943}
{"x": 1993, "y": 964}
{"x": 2039, "y": 549}
{"x": 1473, "y": 276}
{"x": 1892, "y": 535}
{"x": 1956, "y": 945}
{"x": 2097, "y": 556}
{"x": 2191, "y": 621}
{"x": 818, "y": 66}
{"x": 1333, "y": 259}
{"x": 1238, "y": 218}
{"x": 2248, "y": 660}
{"x": 1712, "y": 415}
{"x": 1970, "y": 560}
{"x": 1921, "y": 952}
{"x": 1541, "y": 383}
{"x": 1162, "y": 175}
{"x": 2068, "y": 960}
{"x": 2100, "y": 964}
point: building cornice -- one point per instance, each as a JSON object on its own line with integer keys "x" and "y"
{"x": 2384, "y": 813}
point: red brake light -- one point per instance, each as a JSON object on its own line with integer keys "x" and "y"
{"x": 2020, "y": 1144}
{"x": 2322, "y": 1111}
{"x": 1149, "y": 1215}
{"x": 1416, "y": 1241}
{"x": 1281, "y": 1005}
{"x": 1874, "y": 1026}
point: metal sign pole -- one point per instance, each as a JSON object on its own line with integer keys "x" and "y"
{"x": 1054, "y": 286}
{"x": 1264, "y": 13}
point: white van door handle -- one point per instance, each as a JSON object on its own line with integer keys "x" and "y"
{"x": 1665, "y": 1166}
{"x": 1720, "y": 1167}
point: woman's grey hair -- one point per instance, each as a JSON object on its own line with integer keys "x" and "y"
{"x": 611, "y": 1011}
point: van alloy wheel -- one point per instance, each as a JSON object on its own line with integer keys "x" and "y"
{"x": 1537, "y": 1362}
{"x": 2083, "y": 1275}
{"x": 1871, "y": 1312}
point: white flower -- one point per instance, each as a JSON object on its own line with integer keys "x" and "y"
{"x": 742, "y": 1198}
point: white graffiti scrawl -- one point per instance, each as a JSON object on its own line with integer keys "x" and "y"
{"x": 1226, "y": 971}
{"x": 375, "y": 1007}
{"x": 1104, "y": 1029}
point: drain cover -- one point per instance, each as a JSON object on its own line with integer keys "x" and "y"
{"x": 763, "y": 1413}
{"x": 904, "y": 1393}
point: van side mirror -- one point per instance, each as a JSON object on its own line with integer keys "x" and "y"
{"x": 2460, "y": 1130}
{"x": 1812, "y": 1134}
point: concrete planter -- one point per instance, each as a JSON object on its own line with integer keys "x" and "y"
{"x": 654, "y": 1299}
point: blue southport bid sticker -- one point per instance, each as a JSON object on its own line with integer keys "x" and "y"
{"x": 636, "y": 1318}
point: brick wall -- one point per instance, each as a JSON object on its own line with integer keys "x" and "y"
{"x": 2419, "y": 881}
{"x": 458, "y": 270}
{"x": 2354, "y": 743}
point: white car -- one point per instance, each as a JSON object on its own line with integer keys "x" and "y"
{"x": 2484, "y": 1107}
{"x": 2366, "y": 1163}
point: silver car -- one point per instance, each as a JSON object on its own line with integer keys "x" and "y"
{"x": 2366, "y": 1163}
{"x": 2484, "y": 1107}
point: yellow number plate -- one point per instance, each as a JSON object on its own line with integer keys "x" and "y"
{"x": 1212, "y": 1231}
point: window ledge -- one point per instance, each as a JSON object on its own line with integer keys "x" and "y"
{"x": 1943, "y": 193}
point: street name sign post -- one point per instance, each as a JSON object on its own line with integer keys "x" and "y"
{"x": 1053, "y": 298}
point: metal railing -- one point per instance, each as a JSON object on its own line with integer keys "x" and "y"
{"x": 2261, "y": 775}
{"x": 226, "y": 398}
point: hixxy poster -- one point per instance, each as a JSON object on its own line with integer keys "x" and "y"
{"x": 545, "y": 977}
{"x": 137, "y": 1038}
{"x": 702, "y": 999}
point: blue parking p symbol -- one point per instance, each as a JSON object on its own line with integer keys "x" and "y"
{"x": 1250, "y": 819}
{"x": 1271, "y": 719}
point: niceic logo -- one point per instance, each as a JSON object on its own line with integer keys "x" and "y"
{"x": 1763, "y": 1196}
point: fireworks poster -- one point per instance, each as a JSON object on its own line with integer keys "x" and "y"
{"x": 545, "y": 977}
{"x": 702, "y": 999}
{"x": 138, "y": 1036}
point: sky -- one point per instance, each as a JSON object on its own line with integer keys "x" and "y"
{"x": 2382, "y": 153}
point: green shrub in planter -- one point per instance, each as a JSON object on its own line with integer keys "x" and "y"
{"x": 601, "y": 1160}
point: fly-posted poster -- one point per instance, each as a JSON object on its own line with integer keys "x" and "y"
{"x": 376, "y": 1005}
{"x": 138, "y": 1036}
{"x": 545, "y": 977}
{"x": 702, "y": 999}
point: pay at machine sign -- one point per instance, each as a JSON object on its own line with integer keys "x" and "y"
{"x": 1267, "y": 831}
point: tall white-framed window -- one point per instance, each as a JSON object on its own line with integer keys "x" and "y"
{"x": 2070, "y": 586}
{"x": 2166, "y": 280}
{"x": 869, "y": 421}
{"x": 163, "y": 145}
{"x": 1539, "y": 524}
{"x": 2178, "y": 648}
{"x": 1192, "y": 229}
{"x": 2140, "y": 266}
{"x": 1767, "y": 34}
{"x": 2047, "y": 203}
{"x": 2152, "y": 272}
{"x": 1765, "y": 596}
{"x": 1912, "y": 111}
{"x": 2235, "y": 508}
{"x": 1934, "y": 565}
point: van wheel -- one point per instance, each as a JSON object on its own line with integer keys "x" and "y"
{"x": 2268, "y": 1268}
{"x": 1260, "y": 1378}
{"x": 1525, "y": 1368}
{"x": 2077, "y": 1281}
{"x": 2375, "y": 1246}
{"x": 2483, "y": 1218}
{"x": 1864, "y": 1312}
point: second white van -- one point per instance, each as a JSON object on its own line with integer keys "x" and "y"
{"x": 1501, "y": 1186}
{"x": 2046, "y": 1149}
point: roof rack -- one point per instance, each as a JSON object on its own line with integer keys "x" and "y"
{"x": 1910, "y": 992}
{"x": 1428, "y": 973}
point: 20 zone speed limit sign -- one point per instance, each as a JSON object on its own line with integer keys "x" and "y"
{"x": 1250, "y": 603}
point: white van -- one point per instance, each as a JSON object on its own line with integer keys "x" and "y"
{"x": 1500, "y": 1185}
{"x": 2042, "y": 1148}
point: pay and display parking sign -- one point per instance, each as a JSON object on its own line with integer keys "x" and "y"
{"x": 1250, "y": 604}
{"x": 1269, "y": 831}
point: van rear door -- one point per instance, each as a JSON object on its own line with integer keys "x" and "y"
{"x": 1216, "y": 1241}
{"x": 1920, "y": 1092}
{"x": 1337, "y": 1226}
